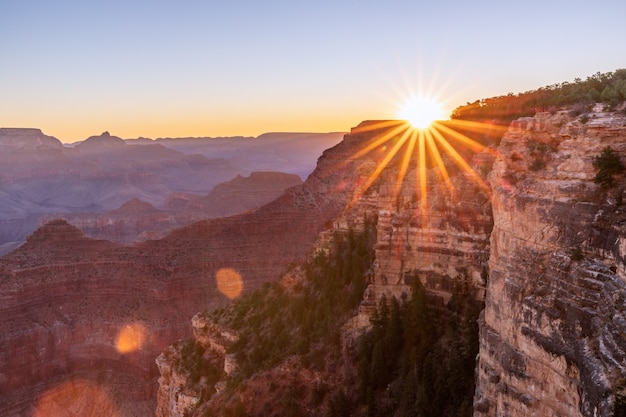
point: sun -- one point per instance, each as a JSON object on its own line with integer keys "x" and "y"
{"x": 421, "y": 111}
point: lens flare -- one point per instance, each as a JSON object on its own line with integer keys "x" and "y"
{"x": 75, "y": 398}
{"x": 421, "y": 111}
{"x": 229, "y": 282}
{"x": 130, "y": 338}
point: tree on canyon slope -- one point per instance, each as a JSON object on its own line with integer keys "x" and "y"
{"x": 608, "y": 165}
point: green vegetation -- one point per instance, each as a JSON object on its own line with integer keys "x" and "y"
{"x": 608, "y": 88}
{"x": 540, "y": 153}
{"x": 275, "y": 324}
{"x": 202, "y": 374}
{"x": 577, "y": 254}
{"x": 608, "y": 165}
{"x": 419, "y": 358}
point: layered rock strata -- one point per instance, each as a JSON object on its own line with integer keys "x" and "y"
{"x": 552, "y": 334}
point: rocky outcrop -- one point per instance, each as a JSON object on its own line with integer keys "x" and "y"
{"x": 235, "y": 196}
{"x": 439, "y": 237}
{"x": 176, "y": 395}
{"x": 552, "y": 334}
{"x": 99, "y": 143}
{"x": 23, "y": 139}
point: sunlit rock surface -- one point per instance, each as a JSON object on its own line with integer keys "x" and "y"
{"x": 546, "y": 247}
{"x": 552, "y": 335}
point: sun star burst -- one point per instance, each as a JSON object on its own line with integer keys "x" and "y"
{"x": 436, "y": 147}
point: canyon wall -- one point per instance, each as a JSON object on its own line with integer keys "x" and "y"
{"x": 440, "y": 238}
{"x": 552, "y": 332}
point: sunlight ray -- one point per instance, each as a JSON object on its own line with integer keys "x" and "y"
{"x": 383, "y": 164}
{"x": 422, "y": 174}
{"x": 381, "y": 140}
{"x": 436, "y": 155}
{"x": 472, "y": 144}
{"x": 411, "y": 133}
{"x": 458, "y": 159}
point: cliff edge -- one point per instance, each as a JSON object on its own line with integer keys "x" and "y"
{"x": 552, "y": 333}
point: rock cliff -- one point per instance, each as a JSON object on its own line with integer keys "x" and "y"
{"x": 552, "y": 334}
{"x": 20, "y": 139}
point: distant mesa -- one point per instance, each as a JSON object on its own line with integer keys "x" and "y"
{"x": 56, "y": 230}
{"x": 105, "y": 140}
{"x": 135, "y": 206}
{"x": 27, "y": 139}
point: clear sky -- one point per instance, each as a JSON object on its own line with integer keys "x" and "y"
{"x": 158, "y": 68}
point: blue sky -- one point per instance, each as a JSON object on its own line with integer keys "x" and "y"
{"x": 206, "y": 68}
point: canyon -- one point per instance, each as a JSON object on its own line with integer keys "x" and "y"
{"x": 540, "y": 241}
{"x": 67, "y": 298}
{"x": 542, "y": 245}
{"x": 137, "y": 221}
{"x": 42, "y": 179}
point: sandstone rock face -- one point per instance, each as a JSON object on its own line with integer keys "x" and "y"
{"x": 552, "y": 333}
{"x": 438, "y": 237}
{"x": 176, "y": 397}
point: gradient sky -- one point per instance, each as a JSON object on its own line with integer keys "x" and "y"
{"x": 205, "y": 68}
